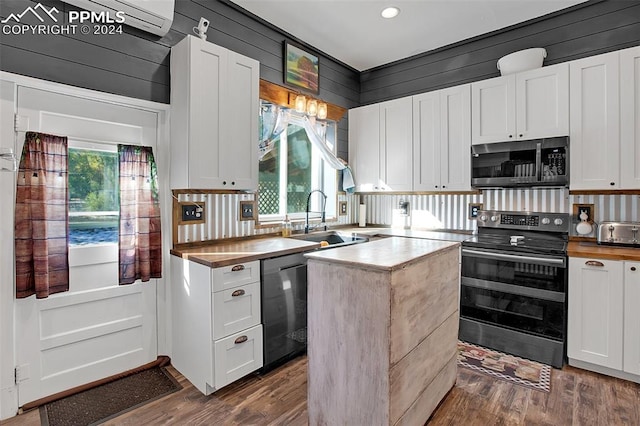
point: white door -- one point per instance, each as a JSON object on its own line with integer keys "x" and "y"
{"x": 594, "y": 122}
{"x": 594, "y": 331}
{"x": 630, "y": 118}
{"x": 632, "y": 317}
{"x": 97, "y": 328}
{"x": 542, "y": 102}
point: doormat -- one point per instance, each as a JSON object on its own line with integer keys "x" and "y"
{"x": 524, "y": 372}
{"x": 110, "y": 400}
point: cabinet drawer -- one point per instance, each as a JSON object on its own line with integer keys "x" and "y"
{"x": 235, "y": 309}
{"x": 235, "y": 275}
{"x": 237, "y": 355}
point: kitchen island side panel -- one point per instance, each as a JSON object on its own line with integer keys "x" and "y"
{"x": 381, "y": 341}
{"x": 348, "y": 345}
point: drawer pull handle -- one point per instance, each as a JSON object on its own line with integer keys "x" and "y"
{"x": 241, "y": 339}
{"x": 633, "y": 268}
{"x": 237, "y": 293}
{"x": 237, "y": 268}
{"x": 594, "y": 263}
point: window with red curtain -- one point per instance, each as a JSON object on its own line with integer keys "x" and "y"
{"x": 140, "y": 241}
{"x": 41, "y": 217}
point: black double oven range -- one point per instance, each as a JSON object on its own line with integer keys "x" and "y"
{"x": 514, "y": 285}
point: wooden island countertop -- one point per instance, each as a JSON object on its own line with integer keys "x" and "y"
{"x": 387, "y": 254}
{"x": 228, "y": 253}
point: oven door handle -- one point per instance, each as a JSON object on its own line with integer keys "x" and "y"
{"x": 556, "y": 261}
{"x": 534, "y": 293}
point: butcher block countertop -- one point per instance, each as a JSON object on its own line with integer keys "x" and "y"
{"x": 232, "y": 252}
{"x": 593, "y": 250}
{"x": 388, "y": 254}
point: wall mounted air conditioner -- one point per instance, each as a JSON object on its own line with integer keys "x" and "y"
{"x": 153, "y": 16}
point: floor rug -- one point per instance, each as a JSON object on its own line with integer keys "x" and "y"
{"x": 524, "y": 372}
{"x": 109, "y": 400}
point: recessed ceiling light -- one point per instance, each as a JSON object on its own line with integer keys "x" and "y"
{"x": 390, "y": 12}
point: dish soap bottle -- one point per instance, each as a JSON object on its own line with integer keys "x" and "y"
{"x": 286, "y": 227}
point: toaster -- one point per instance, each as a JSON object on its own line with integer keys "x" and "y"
{"x": 619, "y": 233}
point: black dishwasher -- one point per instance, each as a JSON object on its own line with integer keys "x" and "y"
{"x": 284, "y": 308}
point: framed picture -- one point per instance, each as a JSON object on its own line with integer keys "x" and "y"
{"x": 300, "y": 68}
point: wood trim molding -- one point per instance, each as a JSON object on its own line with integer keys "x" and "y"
{"x": 606, "y": 192}
{"x": 280, "y": 96}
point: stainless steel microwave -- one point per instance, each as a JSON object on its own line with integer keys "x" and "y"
{"x": 537, "y": 162}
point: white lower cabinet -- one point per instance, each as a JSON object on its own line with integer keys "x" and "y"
{"x": 603, "y": 323}
{"x": 632, "y": 318}
{"x": 216, "y": 330}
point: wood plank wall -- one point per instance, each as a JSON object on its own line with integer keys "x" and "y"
{"x": 594, "y": 27}
{"x": 136, "y": 64}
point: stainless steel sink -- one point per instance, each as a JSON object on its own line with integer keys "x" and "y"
{"x": 333, "y": 238}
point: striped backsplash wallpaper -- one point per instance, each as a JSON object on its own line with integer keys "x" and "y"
{"x": 223, "y": 213}
{"x": 432, "y": 211}
{"x": 451, "y": 210}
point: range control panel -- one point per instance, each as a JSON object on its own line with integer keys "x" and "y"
{"x": 519, "y": 219}
{"x": 534, "y": 221}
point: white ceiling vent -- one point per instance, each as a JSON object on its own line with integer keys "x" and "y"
{"x": 153, "y": 16}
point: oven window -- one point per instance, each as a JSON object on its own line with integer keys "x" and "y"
{"x": 534, "y": 316}
{"x": 544, "y": 277}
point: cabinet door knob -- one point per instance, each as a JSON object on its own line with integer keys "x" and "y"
{"x": 443, "y": 186}
{"x": 241, "y": 339}
{"x": 521, "y": 135}
{"x": 612, "y": 183}
{"x": 510, "y": 136}
{"x": 633, "y": 268}
{"x": 594, "y": 263}
{"x": 237, "y": 293}
{"x": 224, "y": 182}
{"x": 233, "y": 183}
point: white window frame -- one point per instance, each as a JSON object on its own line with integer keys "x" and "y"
{"x": 322, "y": 177}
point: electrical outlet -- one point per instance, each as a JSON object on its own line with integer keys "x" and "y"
{"x": 343, "y": 208}
{"x": 404, "y": 207}
{"x": 192, "y": 213}
{"x": 247, "y": 210}
{"x": 474, "y": 208}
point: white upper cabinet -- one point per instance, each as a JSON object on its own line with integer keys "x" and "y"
{"x": 364, "y": 146}
{"x": 442, "y": 140}
{"x": 214, "y": 117}
{"x": 493, "y": 110}
{"x": 528, "y": 105}
{"x": 630, "y": 118}
{"x": 396, "y": 143}
{"x": 605, "y": 124}
{"x": 380, "y": 145}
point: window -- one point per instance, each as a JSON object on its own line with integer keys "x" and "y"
{"x": 291, "y": 170}
{"x": 93, "y": 194}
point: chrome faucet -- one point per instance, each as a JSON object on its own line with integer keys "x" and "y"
{"x": 324, "y": 206}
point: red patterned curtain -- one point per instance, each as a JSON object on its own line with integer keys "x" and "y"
{"x": 41, "y": 217}
{"x": 140, "y": 242}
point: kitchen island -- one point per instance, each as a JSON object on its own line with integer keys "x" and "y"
{"x": 382, "y": 331}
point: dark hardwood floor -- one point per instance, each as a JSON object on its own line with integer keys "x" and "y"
{"x": 577, "y": 397}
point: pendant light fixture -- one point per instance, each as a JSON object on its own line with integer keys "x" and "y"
{"x": 312, "y": 107}
{"x": 301, "y": 103}
{"x": 322, "y": 110}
